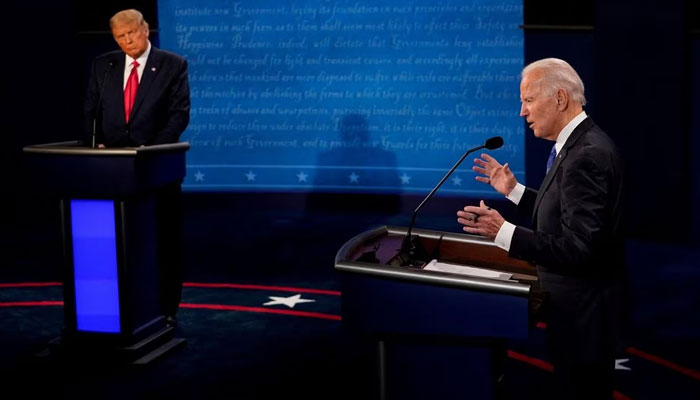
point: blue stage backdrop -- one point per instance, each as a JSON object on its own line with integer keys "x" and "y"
{"x": 378, "y": 96}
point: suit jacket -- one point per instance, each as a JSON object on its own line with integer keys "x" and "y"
{"x": 161, "y": 110}
{"x": 577, "y": 243}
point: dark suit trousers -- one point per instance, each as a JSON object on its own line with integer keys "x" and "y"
{"x": 581, "y": 338}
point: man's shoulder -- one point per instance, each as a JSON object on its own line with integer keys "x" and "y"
{"x": 589, "y": 133}
{"x": 167, "y": 55}
{"x": 595, "y": 145}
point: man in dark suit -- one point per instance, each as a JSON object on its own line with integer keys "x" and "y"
{"x": 576, "y": 239}
{"x": 139, "y": 96}
{"x": 161, "y": 108}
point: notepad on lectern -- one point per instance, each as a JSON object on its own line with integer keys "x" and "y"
{"x": 435, "y": 265}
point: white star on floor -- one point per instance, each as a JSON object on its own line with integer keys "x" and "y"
{"x": 619, "y": 366}
{"x": 457, "y": 181}
{"x": 353, "y": 177}
{"x": 251, "y": 176}
{"x": 302, "y": 176}
{"x": 405, "y": 179}
{"x": 199, "y": 176}
{"x": 290, "y": 301}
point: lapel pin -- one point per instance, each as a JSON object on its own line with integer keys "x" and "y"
{"x": 153, "y": 69}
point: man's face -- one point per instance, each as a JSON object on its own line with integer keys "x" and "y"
{"x": 132, "y": 37}
{"x": 538, "y": 107}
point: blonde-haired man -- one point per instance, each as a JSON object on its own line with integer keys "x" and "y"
{"x": 139, "y": 96}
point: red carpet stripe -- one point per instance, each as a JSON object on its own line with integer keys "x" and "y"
{"x": 517, "y": 356}
{"x": 261, "y": 287}
{"x": 29, "y": 284}
{"x": 261, "y": 310}
{"x": 619, "y": 396}
{"x": 669, "y": 364}
{"x": 541, "y": 364}
{"x": 31, "y": 303}
{"x": 652, "y": 358}
{"x": 199, "y": 306}
{"x": 198, "y": 285}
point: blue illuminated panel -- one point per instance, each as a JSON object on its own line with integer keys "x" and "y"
{"x": 95, "y": 266}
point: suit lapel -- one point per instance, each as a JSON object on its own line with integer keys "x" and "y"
{"x": 149, "y": 74}
{"x": 115, "y": 87}
{"x": 548, "y": 180}
{"x": 570, "y": 142}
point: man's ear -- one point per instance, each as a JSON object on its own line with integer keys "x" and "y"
{"x": 562, "y": 98}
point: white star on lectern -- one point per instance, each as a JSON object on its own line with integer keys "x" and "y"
{"x": 457, "y": 181}
{"x": 405, "y": 179}
{"x": 619, "y": 366}
{"x": 290, "y": 301}
{"x": 353, "y": 177}
{"x": 199, "y": 176}
{"x": 302, "y": 176}
{"x": 251, "y": 176}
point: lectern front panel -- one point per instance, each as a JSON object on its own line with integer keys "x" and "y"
{"x": 95, "y": 271}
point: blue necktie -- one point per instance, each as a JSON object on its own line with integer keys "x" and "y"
{"x": 552, "y": 156}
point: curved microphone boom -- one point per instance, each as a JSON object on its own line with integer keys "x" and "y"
{"x": 409, "y": 246}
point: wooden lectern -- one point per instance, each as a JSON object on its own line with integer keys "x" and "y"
{"x": 438, "y": 334}
{"x": 108, "y": 211}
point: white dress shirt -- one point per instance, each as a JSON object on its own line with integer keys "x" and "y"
{"x": 142, "y": 64}
{"x": 505, "y": 234}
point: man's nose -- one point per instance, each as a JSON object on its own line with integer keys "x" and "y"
{"x": 523, "y": 110}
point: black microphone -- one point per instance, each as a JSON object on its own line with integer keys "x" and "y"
{"x": 410, "y": 247}
{"x": 110, "y": 64}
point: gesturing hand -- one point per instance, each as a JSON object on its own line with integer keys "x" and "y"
{"x": 482, "y": 220}
{"x": 498, "y": 176}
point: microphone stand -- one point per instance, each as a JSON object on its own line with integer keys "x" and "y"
{"x": 411, "y": 247}
{"x": 93, "y": 143}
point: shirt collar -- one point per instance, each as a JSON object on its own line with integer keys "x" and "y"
{"x": 142, "y": 59}
{"x": 566, "y": 132}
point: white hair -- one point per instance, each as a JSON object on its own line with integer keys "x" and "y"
{"x": 558, "y": 74}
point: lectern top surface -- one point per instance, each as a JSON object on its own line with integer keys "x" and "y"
{"x": 77, "y": 148}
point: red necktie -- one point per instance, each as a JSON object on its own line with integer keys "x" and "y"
{"x": 132, "y": 85}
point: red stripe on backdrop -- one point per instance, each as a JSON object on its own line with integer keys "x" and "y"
{"x": 669, "y": 364}
{"x": 31, "y": 303}
{"x": 261, "y": 310}
{"x": 261, "y": 287}
{"x": 29, "y": 284}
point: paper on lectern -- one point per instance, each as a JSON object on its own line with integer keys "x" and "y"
{"x": 435, "y": 265}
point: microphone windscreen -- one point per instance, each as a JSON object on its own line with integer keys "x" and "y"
{"x": 494, "y": 143}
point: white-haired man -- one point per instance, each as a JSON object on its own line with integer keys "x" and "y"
{"x": 576, "y": 239}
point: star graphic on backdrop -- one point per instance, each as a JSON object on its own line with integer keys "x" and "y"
{"x": 354, "y": 177}
{"x": 457, "y": 181}
{"x": 251, "y": 176}
{"x": 290, "y": 301}
{"x": 619, "y": 366}
{"x": 199, "y": 176}
{"x": 302, "y": 176}
{"x": 405, "y": 179}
